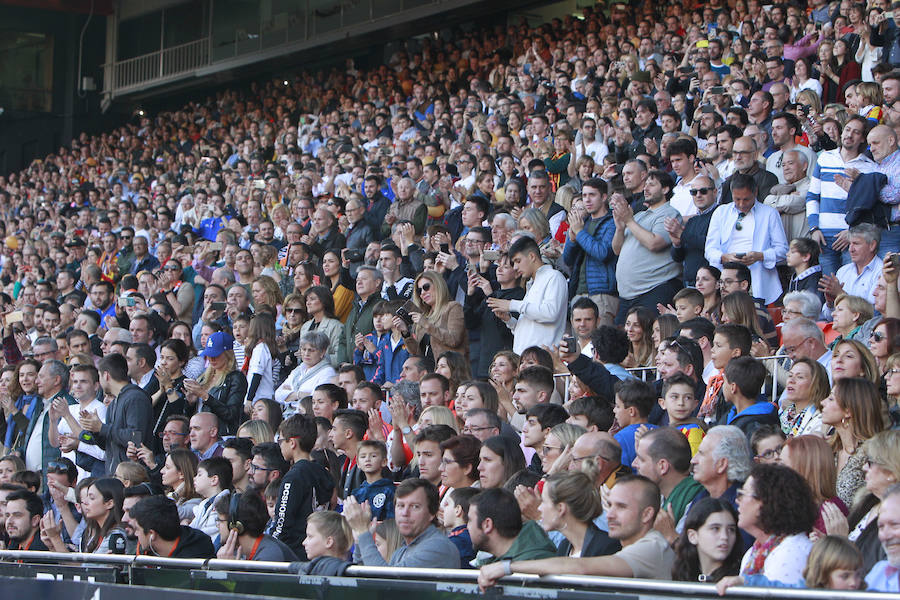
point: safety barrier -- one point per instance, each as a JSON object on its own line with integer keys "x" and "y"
{"x": 170, "y": 578}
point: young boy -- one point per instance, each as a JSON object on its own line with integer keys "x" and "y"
{"x": 803, "y": 258}
{"x": 591, "y": 412}
{"x": 394, "y": 353}
{"x": 539, "y": 420}
{"x": 679, "y": 401}
{"x": 634, "y": 401}
{"x": 688, "y": 304}
{"x": 213, "y": 479}
{"x": 454, "y": 517}
{"x": 240, "y": 327}
{"x": 744, "y": 379}
{"x": 729, "y": 341}
{"x": 378, "y": 491}
{"x": 370, "y": 346}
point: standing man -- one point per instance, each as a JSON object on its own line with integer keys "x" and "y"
{"x": 749, "y": 233}
{"x": 129, "y": 417}
{"x": 52, "y": 385}
{"x": 588, "y": 251}
{"x": 542, "y": 312}
{"x": 649, "y": 276}
{"x": 368, "y": 290}
{"x": 689, "y": 239}
{"x": 826, "y": 201}
{"x": 785, "y": 129}
{"x": 745, "y": 161}
{"x": 789, "y": 197}
{"x": 682, "y": 156}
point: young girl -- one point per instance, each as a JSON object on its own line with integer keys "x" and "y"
{"x": 387, "y": 538}
{"x": 834, "y": 563}
{"x": 709, "y": 548}
{"x": 327, "y": 534}
{"x": 261, "y": 365}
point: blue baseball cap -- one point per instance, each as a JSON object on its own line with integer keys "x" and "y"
{"x": 217, "y": 343}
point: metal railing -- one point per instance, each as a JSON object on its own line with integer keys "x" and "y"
{"x": 159, "y": 66}
{"x": 404, "y": 579}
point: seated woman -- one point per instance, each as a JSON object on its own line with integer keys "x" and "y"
{"x": 801, "y": 409}
{"x": 222, "y": 387}
{"x": 314, "y": 370}
{"x": 775, "y": 506}
{"x": 850, "y": 312}
{"x": 102, "y": 510}
{"x": 812, "y": 458}
{"x": 569, "y": 503}
{"x": 500, "y": 458}
{"x": 178, "y": 474}
{"x": 709, "y": 547}
{"x": 459, "y": 461}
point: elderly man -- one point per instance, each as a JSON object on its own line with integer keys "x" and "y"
{"x": 883, "y": 145}
{"x": 359, "y": 233}
{"x": 883, "y": 576}
{"x": 860, "y": 275}
{"x": 789, "y": 196}
{"x": 52, "y": 385}
{"x": 324, "y": 234}
{"x": 722, "y": 463}
{"x": 785, "y": 129}
{"x": 407, "y": 207}
{"x": 748, "y": 233}
{"x": 745, "y": 162}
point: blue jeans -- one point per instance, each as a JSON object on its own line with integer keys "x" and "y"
{"x": 830, "y": 259}
{"x": 890, "y": 241}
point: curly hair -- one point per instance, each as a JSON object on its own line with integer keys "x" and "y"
{"x": 786, "y": 500}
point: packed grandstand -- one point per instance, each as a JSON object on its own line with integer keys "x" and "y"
{"x": 614, "y": 295}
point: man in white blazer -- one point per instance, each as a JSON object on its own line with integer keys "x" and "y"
{"x": 748, "y": 232}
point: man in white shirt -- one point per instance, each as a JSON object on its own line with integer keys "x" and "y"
{"x": 682, "y": 155}
{"x": 750, "y": 233}
{"x": 860, "y": 275}
{"x": 542, "y": 312}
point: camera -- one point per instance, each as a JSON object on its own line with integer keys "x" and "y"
{"x": 354, "y": 254}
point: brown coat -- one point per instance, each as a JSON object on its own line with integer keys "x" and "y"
{"x": 449, "y": 333}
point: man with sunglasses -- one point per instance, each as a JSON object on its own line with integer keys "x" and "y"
{"x": 749, "y": 233}
{"x": 689, "y": 238}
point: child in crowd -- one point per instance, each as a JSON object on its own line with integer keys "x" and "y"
{"x": 394, "y": 353}
{"x": 454, "y": 518}
{"x": 370, "y": 346}
{"x": 378, "y": 491}
{"x": 729, "y": 341}
{"x": 688, "y": 304}
{"x": 213, "y": 480}
{"x": 387, "y": 538}
{"x": 591, "y": 412}
{"x": 680, "y": 403}
{"x": 634, "y": 401}
{"x": 241, "y": 329}
{"x": 766, "y": 443}
{"x": 539, "y": 420}
{"x": 803, "y": 258}
{"x": 744, "y": 379}
{"x": 327, "y": 534}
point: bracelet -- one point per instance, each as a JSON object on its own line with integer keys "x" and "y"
{"x": 507, "y": 567}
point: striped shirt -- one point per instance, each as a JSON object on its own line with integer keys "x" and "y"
{"x": 826, "y": 201}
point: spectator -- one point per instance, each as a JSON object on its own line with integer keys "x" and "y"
{"x": 241, "y": 522}
{"x": 155, "y": 520}
{"x": 569, "y": 503}
{"x": 496, "y": 527}
{"x": 708, "y": 548}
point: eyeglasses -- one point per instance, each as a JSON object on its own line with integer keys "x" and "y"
{"x": 448, "y": 461}
{"x": 878, "y": 336}
{"x": 255, "y": 467}
{"x": 791, "y": 349}
{"x": 698, "y": 191}
{"x": 468, "y": 429}
{"x": 892, "y": 372}
{"x": 425, "y": 287}
{"x": 547, "y": 449}
{"x": 293, "y": 310}
{"x": 738, "y": 226}
{"x": 769, "y": 455}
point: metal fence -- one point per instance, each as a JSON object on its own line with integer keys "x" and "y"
{"x": 159, "y": 66}
{"x": 170, "y": 578}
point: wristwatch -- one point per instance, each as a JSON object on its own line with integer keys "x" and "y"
{"x": 406, "y": 430}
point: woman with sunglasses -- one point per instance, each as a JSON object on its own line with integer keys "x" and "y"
{"x": 881, "y": 342}
{"x": 439, "y": 324}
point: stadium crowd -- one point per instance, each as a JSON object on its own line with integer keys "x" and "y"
{"x": 616, "y": 296}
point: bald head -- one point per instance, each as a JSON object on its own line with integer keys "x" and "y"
{"x": 882, "y": 142}
{"x": 204, "y": 431}
{"x": 596, "y": 453}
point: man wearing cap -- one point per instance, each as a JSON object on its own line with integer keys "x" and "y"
{"x": 227, "y": 399}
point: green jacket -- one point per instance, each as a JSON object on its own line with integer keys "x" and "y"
{"x": 358, "y": 321}
{"x": 532, "y": 543}
{"x": 681, "y": 497}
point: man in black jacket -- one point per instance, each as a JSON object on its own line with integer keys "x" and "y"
{"x": 129, "y": 417}
{"x": 160, "y": 533}
{"x": 306, "y": 487}
{"x": 689, "y": 239}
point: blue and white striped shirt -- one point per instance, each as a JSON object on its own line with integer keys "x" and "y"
{"x": 826, "y": 201}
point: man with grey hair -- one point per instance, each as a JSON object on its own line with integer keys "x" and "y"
{"x": 112, "y": 336}
{"x": 802, "y": 338}
{"x": 789, "y": 196}
{"x": 369, "y": 281}
{"x": 860, "y": 275}
{"x": 722, "y": 463}
{"x": 52, "y": 386}
{"x": 502, "y": 227}
{"x": 408, "y": 206}
{"x": 883, "y": 576}
{"x": 45, "y": 348}
{"x": 745, "y": 153}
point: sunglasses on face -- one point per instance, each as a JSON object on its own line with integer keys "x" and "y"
{"x": 425, "y": 287}
{"x": 738, "y": 226}
{"x": 878, "y": 336}
{"x": 704, "y": 190}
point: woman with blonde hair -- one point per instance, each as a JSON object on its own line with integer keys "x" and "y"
{"x": 812, "y": 458}
{"x": 851, "y": 358}
{"x": 265, "y": 292}
{"x": 387, "y": 538}
{"x": 559, "y": 438}
{"x": 437, "y": 415}
{"x": 258, "y": 431}
{"x": 439, "y": 324}
{"x": 569, "y": 503}
{"x": 801, "y": 407}
{"x": 892, "y": 379}
{"x": 850, "y": 312}
{"x": 854, "y": 410}
{"x": 222, "y": 387}
{"x": 503, "y": 369}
